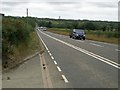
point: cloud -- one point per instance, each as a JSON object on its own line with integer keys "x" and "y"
{"x": 11, "y": 3}
{"x": 105, "y": 4}
{"x": 60, "y": 1}
{"x": 78, "y": 9}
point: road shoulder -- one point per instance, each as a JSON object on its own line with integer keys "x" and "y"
{"x": 27, "y": 75}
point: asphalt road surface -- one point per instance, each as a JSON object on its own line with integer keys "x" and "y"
{"x": 81, "y": 64}
{"x": 27, "y": 75}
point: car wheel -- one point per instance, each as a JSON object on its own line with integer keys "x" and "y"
{"x": 83, "y": 38}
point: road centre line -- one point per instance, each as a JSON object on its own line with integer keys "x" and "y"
{"x": 59, "y": 69}
{"x": 65, "y": 79}
{"x": 96, "y": 45}
{"x": 105, "y": 60}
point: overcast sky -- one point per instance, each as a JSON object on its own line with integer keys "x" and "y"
{"x": 72, "y": 9}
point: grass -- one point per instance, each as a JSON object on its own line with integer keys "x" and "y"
{"x": 102, "y": 37}
{"x": 23, "y": 51}
{"x": 59, "y": 31}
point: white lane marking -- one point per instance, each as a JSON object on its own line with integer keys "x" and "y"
{"x": 55, "y": 62}
{"x": 43, "y": 41}
{"x": 52, "y": 57}
{"x": 117, "y": 49}
{"x": 48, "y": 51}
{"x": 50, "y": 54}
{"x": 96, "y": 44}
{"x": 107, "y": 61}
{"x": 64, "y": 78}
{"x": 46, "y": 48}
{"x": 59, "y": 69}
{"x": 103, "y": 43}
{"x": 80, "y": 41}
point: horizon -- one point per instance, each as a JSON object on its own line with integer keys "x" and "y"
{"x": 58, "y": 18}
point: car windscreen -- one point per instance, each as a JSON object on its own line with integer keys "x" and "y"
{"x": 79, "y": 31}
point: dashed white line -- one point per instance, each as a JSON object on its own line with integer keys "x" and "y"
{"x": 64, "y": 78}
{"x": 55, "y": 62}
{"x": 50, "y": 54}
{"x": 48, "y": 51}
{"x": 52, "y": 57}
{"x": 59, "y": 69}
{"x": 96, "y": 44}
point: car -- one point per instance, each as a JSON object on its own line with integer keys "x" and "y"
{"x": 44, "y": 29}
{"x": 77, "y": 34}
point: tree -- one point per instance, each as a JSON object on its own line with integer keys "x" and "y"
{"x": 89, "y": 26}
{"x": 49, "y": 24}
{"x": 75, "y": 24}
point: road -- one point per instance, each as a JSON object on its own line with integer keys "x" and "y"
{"x": 27, "y": 75}
{"x": 82, "y": 64}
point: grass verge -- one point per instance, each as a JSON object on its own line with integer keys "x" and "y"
{"x": 23, "y": 51}
{"x": 101, "y": 38}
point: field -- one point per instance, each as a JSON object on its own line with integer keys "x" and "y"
{"x": 109, "y": 37}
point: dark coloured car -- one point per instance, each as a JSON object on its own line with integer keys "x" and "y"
{"x": 77, "y": 34}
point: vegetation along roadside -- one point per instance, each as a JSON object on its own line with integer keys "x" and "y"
{"x": 19, "y": 40}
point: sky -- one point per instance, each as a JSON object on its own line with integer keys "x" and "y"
{"x": 105, "y": 10}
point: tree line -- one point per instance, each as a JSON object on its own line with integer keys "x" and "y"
{"x": 81, "y": 24}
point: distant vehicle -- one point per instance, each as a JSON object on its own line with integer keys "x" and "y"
{"x": 77, "y": 34}
{"x": 41, "y": 27}
{"x": 44, "y": 29}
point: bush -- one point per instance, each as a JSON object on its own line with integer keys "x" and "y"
{"x": 14, "y": 32}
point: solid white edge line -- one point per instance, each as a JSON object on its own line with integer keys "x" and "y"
{"x": 96, "y": 44}
{"x": 55, "y": 62}
{"x": 103, "y": 43}
{"x": 42, "y": 41}
{"x": 87, "y": 52}
{"x": 64, "y": 78}
{"x": 59, "y": 69}
{"x": 81, "y": 41}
